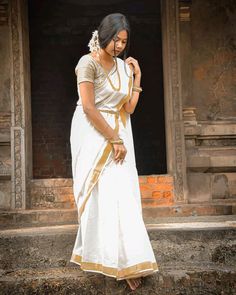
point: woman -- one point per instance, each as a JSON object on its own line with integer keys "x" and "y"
{"x": 112, "y": 238}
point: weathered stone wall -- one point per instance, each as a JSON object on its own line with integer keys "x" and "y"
{"x": 5, "y": 107}
{"x": 213, "y": 57}
{"x": 208, "y": 59}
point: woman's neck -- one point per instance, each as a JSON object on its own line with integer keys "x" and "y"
{"x": 105, "y": 57}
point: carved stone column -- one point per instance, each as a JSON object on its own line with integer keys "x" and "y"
{"x": 21, "y": 146}
{"x": 176, "y": 161}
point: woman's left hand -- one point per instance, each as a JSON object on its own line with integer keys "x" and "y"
{"x": 134, "y": 64}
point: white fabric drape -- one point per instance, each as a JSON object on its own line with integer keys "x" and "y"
{"x": 112, "y": 238}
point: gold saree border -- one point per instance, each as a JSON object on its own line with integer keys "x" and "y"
{"x": 107, "y": 150}
{"x": 126, "y": 97}
{"x": 143, "y": 268}
{"x": 120, "y": 105}
{"x": 95, "y": 176}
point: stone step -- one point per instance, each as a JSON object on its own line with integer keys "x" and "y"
{"x": 185, "y": 279}
{"x": 23, "y": 218}
{"x": 174, "y": 244}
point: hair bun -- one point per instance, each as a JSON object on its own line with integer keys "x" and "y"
{"x": 94, "y": 43}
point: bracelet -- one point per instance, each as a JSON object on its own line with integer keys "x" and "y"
{"x": 118, "y": 141}
{"x": 137, "y": 89}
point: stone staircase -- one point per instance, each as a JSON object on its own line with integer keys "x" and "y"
{"x": 196, "y": 255}
{"x": 62, "y": 216}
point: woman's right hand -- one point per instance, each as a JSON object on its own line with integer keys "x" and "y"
{"x": 119, "y": 153}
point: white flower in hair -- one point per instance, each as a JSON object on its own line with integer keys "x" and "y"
{"x": 94, "y": 43}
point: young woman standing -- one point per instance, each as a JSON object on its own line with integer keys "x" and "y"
{"x": 112, "y": 238}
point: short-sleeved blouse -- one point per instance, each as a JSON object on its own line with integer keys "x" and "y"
{"x": 88, "y": 69}
{"x": 85, "y": 69}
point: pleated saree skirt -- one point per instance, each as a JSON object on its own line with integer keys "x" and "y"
{"x": 112, "y": 238}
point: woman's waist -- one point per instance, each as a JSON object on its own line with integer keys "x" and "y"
{"x": 111, "y": 102}
{"x": 104, "y": 109}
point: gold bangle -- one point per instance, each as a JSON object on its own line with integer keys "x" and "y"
{"x": 137, "y": 89}
{"x": 118, "y": 141}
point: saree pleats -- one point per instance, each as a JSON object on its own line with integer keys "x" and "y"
{"x": 112, "y": 238}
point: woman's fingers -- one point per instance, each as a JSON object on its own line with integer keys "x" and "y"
{"x": 132, "y": 61}
{"x": 119, "y": 153}
{"x": 119, "y": 156}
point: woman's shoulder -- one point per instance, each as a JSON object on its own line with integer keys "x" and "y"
{"x": 85, "y": 61}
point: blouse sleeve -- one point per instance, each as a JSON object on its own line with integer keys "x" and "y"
{"x": 85, "y": 70}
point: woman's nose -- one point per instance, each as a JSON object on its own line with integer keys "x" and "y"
{"x": 119, "y": 44}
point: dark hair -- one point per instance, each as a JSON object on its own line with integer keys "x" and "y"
{"x": 109, "y": 28}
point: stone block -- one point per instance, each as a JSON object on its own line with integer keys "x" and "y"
{"x": 5, "y": 193}
{"x": 4, "y": 134}
{"x": 221, "y": 128}
{"x": 220, "y": 186}
{"x": 198, "y": 163}
{"x": 199, "y": 185}
{"x": 152, "y": 210}
{"x": 190, "y": 131}
{"x": 224, "y": 186}
{"x": 212, "y": 160}
{"x": 5, "y": 161}
{"x": 224, "y": 163}
{"x": 52, "y": 193}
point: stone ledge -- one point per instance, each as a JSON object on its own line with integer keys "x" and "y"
{"x": 186, "y": 279}
{"x": 36, "y": 217}
{"x": 173, "y": 244}
{"x": 205, "y": 163}
{"x": 211, "y": 128}
{"x": 173, "y": 224}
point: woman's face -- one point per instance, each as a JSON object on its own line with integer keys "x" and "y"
{"x": 119, "y": 43}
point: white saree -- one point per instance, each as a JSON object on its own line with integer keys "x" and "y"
{"x": 112, "y": 238}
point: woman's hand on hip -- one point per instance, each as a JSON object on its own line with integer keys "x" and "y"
{"x": 119, "y": 153}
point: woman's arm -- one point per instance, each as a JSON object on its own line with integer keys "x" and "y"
{"x": 98, "y": 121}
{"x": 134, "y": 66}
{"x": 131, "y": 104}
{"x": 93, "y": 114}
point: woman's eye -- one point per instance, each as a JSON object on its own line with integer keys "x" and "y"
{"x": 116, "y": 40}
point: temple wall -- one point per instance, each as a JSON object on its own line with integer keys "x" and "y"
{"x": 208, "y": 52}
{"x": 207, "y": 67}
{"x": 213, "y": 59}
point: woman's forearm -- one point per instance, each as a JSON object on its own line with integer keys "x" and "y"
{"x": 132, "y": 103}
{"x": 98, "y": 121}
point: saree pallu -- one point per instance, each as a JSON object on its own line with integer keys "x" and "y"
{"x": 112, "y": 238}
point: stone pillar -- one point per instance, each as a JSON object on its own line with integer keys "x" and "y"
{"x": 21, "y": 153}
{"x": 176, "y": 163}
{"x": 5, "y": 108}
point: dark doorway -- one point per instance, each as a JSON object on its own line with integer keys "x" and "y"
{"x": 59, "y": 34}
